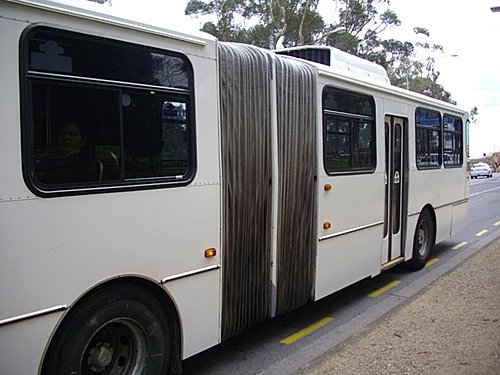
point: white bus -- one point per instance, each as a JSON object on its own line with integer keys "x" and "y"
{"x": 162, "y": 192}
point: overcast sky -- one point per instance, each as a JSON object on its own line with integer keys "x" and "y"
{"x": 465, "y": 28}
{"x": 470, "y": 30}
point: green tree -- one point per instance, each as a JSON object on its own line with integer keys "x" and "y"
{"x": 297, "y": 22}
{"x": 419, "y": 75}
{"x": 226, "y": 12}
{"x": 365, "y": 22}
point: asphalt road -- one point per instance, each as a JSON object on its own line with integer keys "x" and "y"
{"x": 326, "y": 323}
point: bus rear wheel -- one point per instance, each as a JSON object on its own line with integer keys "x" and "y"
{"x": 117, "y": 330}
{"x": 423, "y": 240}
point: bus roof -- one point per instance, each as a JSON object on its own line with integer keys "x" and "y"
{"x": 98, "y": 12}
{"x": 339, "y": 61}
{"x": 334, "y": 63}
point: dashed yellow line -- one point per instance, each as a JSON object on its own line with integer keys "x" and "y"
{"x": 460, "y": 245}
{"x": 497, "y": 223}
{"x": 484, "y": 231}
{"x": 431, "y": 262}
{"x": 384, "y": 289}
{"x": 306, "y": 331}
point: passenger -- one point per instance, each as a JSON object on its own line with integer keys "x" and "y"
{"x": 71, "y": 161}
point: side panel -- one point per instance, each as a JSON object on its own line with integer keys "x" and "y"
{"x": 355, "y": 206}
{"x": 197, "y": 301}
{"x": 22, "y": 344}
{"x": 350, "y": 215}
{"x": 53, "y": 250}
{"x": 445, "y": 189}
{"x": 459, "y": 217}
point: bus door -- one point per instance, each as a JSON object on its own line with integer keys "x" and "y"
{"x": 396, "y": 177}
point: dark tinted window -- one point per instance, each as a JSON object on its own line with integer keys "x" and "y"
{"x": 106, "y": 113}
{"x": 348, "y": 131}
{"x": 348, "y": 102}
{"x": 86, "y": 56}
{"x": 452, "y": 141}
{"x": 428, "y": 138}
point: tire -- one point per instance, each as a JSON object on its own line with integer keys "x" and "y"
{"x": 116, "y": 330}
{"x": 423, "y": 240}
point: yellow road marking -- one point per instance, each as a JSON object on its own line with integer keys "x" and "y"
{"x": 384, "y": 289}
{"x": 497, "y": 223}
{"x": 484, "y": 231}
{"x": 306, "y": 331}
{"x": 431, "y": 262}
{"x": 461, "y": 244}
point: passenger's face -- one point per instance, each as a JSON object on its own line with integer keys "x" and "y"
{"x": 71, "y": 139}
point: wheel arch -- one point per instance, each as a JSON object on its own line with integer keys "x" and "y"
{"x": 159, "y": 293}
{"x": 422, "y": 244}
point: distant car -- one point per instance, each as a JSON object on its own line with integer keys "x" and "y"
{"x": 481, "y": 170}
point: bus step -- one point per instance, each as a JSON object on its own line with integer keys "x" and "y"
{"x": 392, "y": 263}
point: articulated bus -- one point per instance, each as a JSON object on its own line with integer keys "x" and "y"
{"x": 162, "y": 191}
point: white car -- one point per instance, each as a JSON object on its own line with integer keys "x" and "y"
{"x": 481, "y": 170}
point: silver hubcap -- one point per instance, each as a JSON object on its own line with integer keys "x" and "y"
{"x": 422, "y": 239}
{"x": 118, "y": 347}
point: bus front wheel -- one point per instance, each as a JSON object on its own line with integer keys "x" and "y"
{"x": 423, "y": 240}
{"x": 117, "y": 330}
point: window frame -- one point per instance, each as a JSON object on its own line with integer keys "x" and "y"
{"x": 27, "y": 79}
{"x": 429, "y": 129}
{"x": 354, "y": 120}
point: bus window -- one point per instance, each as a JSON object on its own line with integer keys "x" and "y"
{"x": 58, "y": 108}
{"x": 428, "y": 138}
{"x": 130, "y": 108}
{"x": 348, "y": 131}
{"x": 452, "y": 141}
